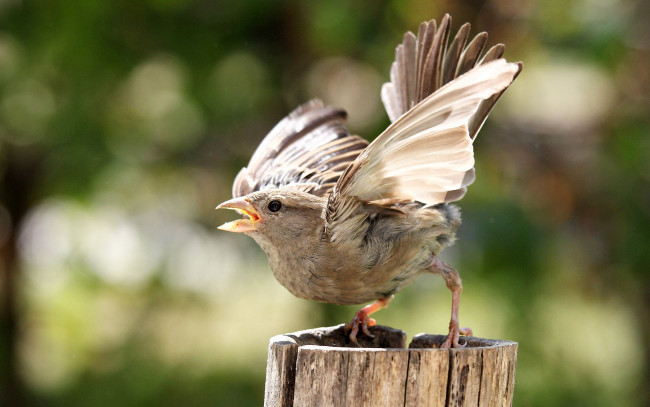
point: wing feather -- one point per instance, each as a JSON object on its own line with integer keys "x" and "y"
{"x": 307, "y": 149}
{"x": 426, "y": 155}
{"x": 455, "y": 50}
{"x": 437, "y": 99}
{"x": 424, "y": 63}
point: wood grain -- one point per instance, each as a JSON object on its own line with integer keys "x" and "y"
{"x": 320, "y": 367}
{"x": 426, "y": 383}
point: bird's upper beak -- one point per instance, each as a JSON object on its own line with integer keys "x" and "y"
{"x": 243, "y": 206}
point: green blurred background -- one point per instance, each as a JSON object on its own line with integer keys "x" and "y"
{"x": 123, "y": 123}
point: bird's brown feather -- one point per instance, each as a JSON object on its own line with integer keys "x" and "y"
{"x": 426, "y": 155}
{"x": 308, "y": 150}
{"x": 346, "y": 222}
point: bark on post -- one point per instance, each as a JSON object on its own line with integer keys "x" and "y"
{"x": 320, "y": 367}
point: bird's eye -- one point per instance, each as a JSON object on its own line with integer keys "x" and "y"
{"x": 275, "y": 205}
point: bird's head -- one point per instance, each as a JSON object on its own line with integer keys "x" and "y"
{"x": 278, "y": 216}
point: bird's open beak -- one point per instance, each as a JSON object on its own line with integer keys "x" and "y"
{"x": 243, "y": 206}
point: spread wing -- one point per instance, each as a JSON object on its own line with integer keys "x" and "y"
{"x": 437, "y": 99}
{"x": 425, "y": 63}
{"x": 308, "y": 149}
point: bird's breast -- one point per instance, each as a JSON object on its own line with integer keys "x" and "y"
{"x": 345, "y": 277}
{"x": 386, "y": 258}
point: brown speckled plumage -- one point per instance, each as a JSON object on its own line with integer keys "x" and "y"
{"x": 347, "y": 222}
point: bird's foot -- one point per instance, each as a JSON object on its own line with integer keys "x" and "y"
{"x": 361, "y": 320}
{"x": 454, "y": 334}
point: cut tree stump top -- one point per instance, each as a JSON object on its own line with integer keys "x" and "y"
{"x": 321, "y": 367}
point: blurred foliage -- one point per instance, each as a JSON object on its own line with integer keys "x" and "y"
{"x": 122, "y": 125}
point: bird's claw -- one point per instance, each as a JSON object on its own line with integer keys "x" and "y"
{"x": 361, "y": 319}
{"x": 454, "y": 335}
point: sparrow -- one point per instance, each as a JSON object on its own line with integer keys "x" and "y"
{"x": 344, "y": 221}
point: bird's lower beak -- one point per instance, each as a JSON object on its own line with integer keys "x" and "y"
{"x": 243, "y": 206}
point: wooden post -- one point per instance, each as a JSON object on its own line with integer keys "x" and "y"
{"x": 320, "y": 367}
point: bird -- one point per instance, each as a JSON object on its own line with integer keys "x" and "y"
{"x": 344, "y": 221}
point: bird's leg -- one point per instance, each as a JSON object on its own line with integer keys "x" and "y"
{"x": 362, "y": 318}
{"x": 455, "y": 284}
